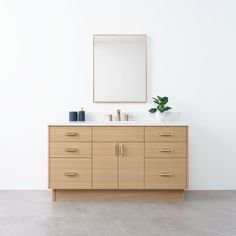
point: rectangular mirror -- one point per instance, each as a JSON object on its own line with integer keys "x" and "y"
{"x": 119, "y": 68}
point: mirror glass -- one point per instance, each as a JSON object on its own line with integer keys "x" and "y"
{"x": 119, "y": 68}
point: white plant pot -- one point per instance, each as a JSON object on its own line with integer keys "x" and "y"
{"x": 160, "y": 117}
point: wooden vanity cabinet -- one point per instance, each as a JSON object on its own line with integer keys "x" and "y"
{"x": 118, "y": 162}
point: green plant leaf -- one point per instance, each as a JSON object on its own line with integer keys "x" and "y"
{"x": 166, "y": 108}
{"x": 165, "y": 100}
{"x": 152, "y": 110}
{"x": 162, "y": 102}
{"x": 156, "y": 100}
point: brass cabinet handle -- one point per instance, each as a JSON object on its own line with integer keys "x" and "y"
{"x": 166, "y": 174}
{"x": 70, "y": 149}
{"x": 166, "y": 149}
{"x": 71, "y": 133}
{"x": 121, "y": 150}
{"x": 166, "y": 133}
{"x": 71, "y": 174}
{"x": 115, "y": 149}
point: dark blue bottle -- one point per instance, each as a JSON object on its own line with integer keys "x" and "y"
{"x": 73, "y": 116}
{"x": 81, "y": 115}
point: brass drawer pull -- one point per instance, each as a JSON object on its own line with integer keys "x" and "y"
{"x": 70, "y": 149}
{"x": 166, "y": 133}
{"x": 166, "y": 149}
{"x": 166, "y": 174}
{"x": 121, "y": 150}
{"x": 70, "y": 174}
{"x": 115, "y": 149}
{"x": 71, "y": 133}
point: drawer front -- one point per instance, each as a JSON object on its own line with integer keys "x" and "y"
{"x": 70, "y": 133}
{"x": 70, "y": 173}
{"x": 165, "y": 173}
{"x": 70, "y": 149}
{"x": 166, "y": 134}
{"x": 165, "y": 149}
{"x": 118, "y": 133}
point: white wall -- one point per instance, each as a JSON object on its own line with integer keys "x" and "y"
{"x": 46, "y": 69}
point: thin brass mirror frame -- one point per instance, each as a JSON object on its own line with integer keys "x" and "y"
{"x": 145, "y": 37}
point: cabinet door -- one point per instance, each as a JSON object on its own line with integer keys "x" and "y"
{"x": 105, "y": 165}
{"x": 131, "y": 165}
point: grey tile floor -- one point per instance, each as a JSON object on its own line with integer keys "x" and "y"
{"x": 32, "y": 213}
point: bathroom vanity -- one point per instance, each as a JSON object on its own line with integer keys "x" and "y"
{"x": 118, "y": 160}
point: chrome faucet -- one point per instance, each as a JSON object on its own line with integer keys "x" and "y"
{"x": 118, "y": 115}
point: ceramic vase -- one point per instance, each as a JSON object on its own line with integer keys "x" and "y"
{"x": 160, "y": 117}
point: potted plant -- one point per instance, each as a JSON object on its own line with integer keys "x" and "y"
{"x": 161, "y": 107}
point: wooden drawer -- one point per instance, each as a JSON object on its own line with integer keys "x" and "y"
{"x": 70, "y": 149}
{"x": 118, "y": 133}
{"x": 165, "y": 149}
{"x": 165, "y": 173}
{"x": 167, "y": 133}
{"x": 70, "y": 173}
{"x": 70, "y": 133}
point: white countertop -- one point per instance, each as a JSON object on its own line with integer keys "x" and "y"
{"x": 118, "y": 123}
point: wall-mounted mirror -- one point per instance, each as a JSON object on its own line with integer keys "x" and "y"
{"x": 119, "y": 68}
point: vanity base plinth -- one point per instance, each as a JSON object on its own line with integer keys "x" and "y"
{"x": 117, "y": 195}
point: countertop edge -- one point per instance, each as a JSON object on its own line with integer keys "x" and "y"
{"x": 118, "y": 124}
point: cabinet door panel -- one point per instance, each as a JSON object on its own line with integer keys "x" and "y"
{"x": 105, "y": 165}
{"x": 131, "y": 165}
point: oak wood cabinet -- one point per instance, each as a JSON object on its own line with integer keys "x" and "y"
{"x": 118, "y": 162}
{"x": 118, "y": 165}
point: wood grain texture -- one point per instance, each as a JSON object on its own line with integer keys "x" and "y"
{"x": 80, "y": 159}
{"x": 131, "y": 166}
{"x": 105, "y": 166}
{"x": 165, "y": 149}
{"x": 60, "y": 166}
{"x": 155, "y": 167}
{"x": 70, "y": 133}
{"x": 118, "y": 134}
{"x": 120, "y": 195}
{"x": 70, "y": 149}
{"x": 166, "y": 134}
